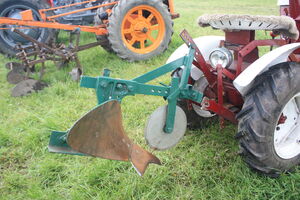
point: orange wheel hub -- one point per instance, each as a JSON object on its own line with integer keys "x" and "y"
{"x": 143, "y": 29}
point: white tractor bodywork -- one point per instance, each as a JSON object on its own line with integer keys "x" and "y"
{"x": 205, "y": 44}
{"x": 245, "y": 80}
{"x": 283, "y": 2}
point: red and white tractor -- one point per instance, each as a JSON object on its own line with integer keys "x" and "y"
{"x": 259, "y": 94}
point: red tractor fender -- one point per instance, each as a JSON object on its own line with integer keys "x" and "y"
{"x": 246, "y": 79}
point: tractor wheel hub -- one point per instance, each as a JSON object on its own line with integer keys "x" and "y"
{"x": 141, "y": 29}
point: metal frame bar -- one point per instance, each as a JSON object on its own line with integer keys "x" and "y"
{"x": 98, "y": 30}
{"x": 44, "y": 17}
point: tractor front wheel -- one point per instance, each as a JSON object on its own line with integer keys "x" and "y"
{"x": 139, "y": 29}
{"x": 269, "y": 122}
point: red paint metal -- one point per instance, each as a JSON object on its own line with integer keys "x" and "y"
{"x": 51, "y": 3}
{"x": 239, "y": 37}
{"x": 213, "y": 106}
{"x": 282, "y": 119}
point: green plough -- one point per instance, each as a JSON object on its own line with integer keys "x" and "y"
{"x": 100, "y": 132}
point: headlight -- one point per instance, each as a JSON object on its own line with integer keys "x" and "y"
{"x": 221, "y": 56}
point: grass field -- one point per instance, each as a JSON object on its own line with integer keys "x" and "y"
{"x": 204, "y": 165}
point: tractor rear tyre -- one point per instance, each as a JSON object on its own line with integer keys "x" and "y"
{"x": 9, "y": 39}
{"x": 269, "y": 122}
{"x": 139, "y": 29}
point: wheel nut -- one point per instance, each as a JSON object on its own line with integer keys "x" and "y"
{"x": 144, "y": 30}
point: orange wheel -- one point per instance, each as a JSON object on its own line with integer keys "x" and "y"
{"x": 143, "y": 29}
{"x": 139, "y": 29}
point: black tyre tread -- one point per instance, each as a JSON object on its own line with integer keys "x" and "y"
{"x": 115, "y": 38}
{"x": 51, "y": 33}
{"x": 258, "y": 118}
{"x": 103, "y": 38}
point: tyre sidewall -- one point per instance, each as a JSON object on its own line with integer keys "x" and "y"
{"x": 46, "y": 33}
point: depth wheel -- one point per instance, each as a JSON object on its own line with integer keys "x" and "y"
{"x": 139, "y": 30}
{"x": 269, "y": 122}
{"x": 155, "y": 136}
{"x": 12, "y": 9}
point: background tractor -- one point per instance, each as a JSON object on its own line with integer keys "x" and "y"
{"x": 259, "y": 94}
{"x": 218, "y": 76}
{"x": 133, "y": 29}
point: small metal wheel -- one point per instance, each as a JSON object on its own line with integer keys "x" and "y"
{"x": 155, "y": 136}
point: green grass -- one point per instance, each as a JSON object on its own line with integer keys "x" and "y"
{"x": 204, "y": 165}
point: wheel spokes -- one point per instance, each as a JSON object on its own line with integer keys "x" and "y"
{"x": 140, "y": 13}
{"x": 132, "y": 41}
{"x": 150, "y": 17}
{"x": 130, "y": 19}
{"x": 142, "y": 44}
{"x": 143, "y": 29}
{"x": 154, "y": 28}
{"x": 150, "y": 37}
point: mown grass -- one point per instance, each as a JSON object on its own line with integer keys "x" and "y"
{"x": 204, "y": 165}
